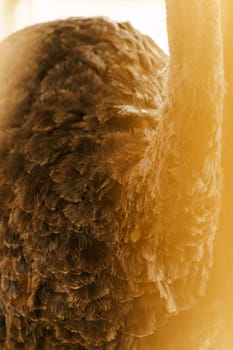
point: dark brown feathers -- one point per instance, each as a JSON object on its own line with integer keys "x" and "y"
{"x": 81, "y": 265}
{"x": 69, "y": 117}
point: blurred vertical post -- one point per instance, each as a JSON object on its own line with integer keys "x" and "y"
{"x": 8, "y": 15}
{"x": 15, "y": 14}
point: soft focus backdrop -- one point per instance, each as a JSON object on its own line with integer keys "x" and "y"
{"x": 146, "y": 15}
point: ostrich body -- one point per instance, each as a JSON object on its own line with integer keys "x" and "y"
{"x": 109, "y": 182}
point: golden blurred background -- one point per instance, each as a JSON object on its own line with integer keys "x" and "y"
{"x": 225, "y": 237}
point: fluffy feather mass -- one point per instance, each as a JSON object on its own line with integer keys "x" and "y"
{"x": 86, "y": 262}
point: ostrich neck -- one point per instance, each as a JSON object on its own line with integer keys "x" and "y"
{"x": 186, "y": 154}
{"x": 195, "y": 80}
{"x": 195, "y": 76}
{"x": 194, "y": 35}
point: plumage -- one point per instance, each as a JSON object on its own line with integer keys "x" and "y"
{"x": 93, "y": 254}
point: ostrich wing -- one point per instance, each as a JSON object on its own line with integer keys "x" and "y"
{"x": 79, "y": 101}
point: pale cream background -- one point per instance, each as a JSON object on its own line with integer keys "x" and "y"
{"x": 146, "y": 15}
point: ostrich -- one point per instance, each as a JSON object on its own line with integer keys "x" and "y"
{"x": 110, "y": 183}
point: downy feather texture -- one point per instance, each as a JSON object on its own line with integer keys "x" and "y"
{"x": 94, "y": 199}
